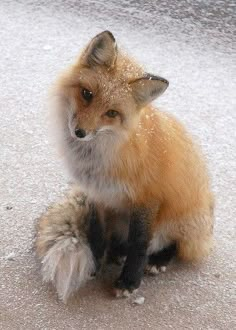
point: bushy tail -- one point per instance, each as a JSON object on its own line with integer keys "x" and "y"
{"x": 61, "y": 243}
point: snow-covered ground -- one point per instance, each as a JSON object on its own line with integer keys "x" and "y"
{"x": 188, "y": 42}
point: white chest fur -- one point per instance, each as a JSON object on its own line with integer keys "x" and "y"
{"x": 88, "y": 163}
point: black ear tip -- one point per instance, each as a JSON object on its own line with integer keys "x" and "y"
{"x": 166, "y": 82}
{"x": 110, "y": 35}
{"x": 149, "y": 76}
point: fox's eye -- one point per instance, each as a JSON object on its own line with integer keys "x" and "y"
{"x": 112, "y": 113}
{"x": 87, "y": 95}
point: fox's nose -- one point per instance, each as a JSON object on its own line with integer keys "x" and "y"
{"x": 80, "y": 133}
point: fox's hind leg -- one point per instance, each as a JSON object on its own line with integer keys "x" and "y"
{"x": 159, "y": 260}
{"x": 194, "y": 237}
{"x": 188, "y": 237}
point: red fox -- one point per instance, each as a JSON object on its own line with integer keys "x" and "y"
{"x": 129, "y": 157}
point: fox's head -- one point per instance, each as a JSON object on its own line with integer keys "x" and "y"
{"x": 104, "y": 92}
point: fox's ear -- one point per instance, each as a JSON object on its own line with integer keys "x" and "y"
{"x": 148, "y": 88}
{"x": 101, "y": 50}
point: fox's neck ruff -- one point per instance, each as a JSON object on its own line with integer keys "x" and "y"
{"x": 90, "y": 163}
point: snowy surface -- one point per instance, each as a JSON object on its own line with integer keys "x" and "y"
{"x": 188, "y": 42}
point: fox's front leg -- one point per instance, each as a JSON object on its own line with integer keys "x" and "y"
{"x": 133, "y": 269}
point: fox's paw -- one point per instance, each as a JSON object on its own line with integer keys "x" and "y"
{"x": 154, "y": 270}
{"x": 124, "y": 288}
{"x": 158, "y": 261}
{"x": 123, "y": 293}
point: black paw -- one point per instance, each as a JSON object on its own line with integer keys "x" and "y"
{"x": 158, "y": 261}
{"x": 124, "y": 288}
{"x": 154, "y": 270}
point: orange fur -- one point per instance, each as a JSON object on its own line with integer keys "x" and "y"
{"x": 147, "y": 153}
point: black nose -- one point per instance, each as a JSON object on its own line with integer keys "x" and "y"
{"x": 80, "y": 133}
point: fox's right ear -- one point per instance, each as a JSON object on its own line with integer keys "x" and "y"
{"x": 148, "y": 88}
{"x": 101, "y": 50}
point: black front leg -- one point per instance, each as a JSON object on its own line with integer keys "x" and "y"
{"x": 96, "y": 235}
{"x": 133, "y": 269}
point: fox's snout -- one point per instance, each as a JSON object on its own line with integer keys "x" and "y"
{"x": 84, "y": 135}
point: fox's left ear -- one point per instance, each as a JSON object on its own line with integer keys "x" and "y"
{"x": 102, "y": 50}
{"x": 148, "y": 88}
